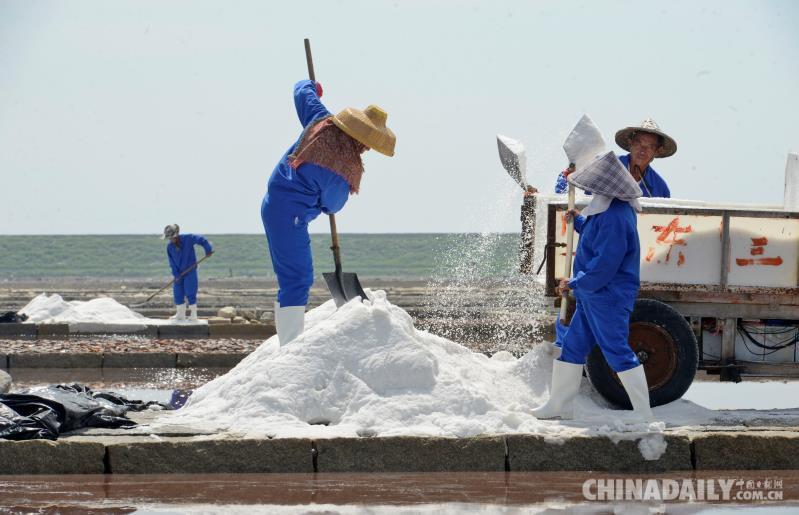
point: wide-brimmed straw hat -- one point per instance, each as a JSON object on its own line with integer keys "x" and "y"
{"x": 625, "y": 137}
{"x": 368, "y": 127}
{"x": 607, "y": 176}
{"x": 170, "y": 231}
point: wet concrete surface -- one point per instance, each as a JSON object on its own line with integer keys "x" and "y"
{"x": 117, "y": 378}
{"x": 331, "y": 493}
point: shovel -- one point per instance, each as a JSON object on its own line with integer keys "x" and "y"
{"x": 513, "y": 158}
{"x": 170, "y": 283}
{"x": 582, "y": 145}
{"x": 343, "y": 286}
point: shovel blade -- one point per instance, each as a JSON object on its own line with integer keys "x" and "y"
{"x": 513, "y": 158}
{"x": 344, "y": 287}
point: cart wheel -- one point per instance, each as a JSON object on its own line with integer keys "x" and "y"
{"x": 665, "y": 345}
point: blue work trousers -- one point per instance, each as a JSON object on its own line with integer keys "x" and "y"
{"x": 603, "y": 323}
{"x": 186, "y": 288}
{"x": 290, "y": 250}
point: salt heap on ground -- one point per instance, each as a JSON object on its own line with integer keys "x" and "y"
{"x": 364, "y": 370}
{"x": 89, "y": 316}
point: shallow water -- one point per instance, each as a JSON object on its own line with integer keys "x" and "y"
{"x": 512, "y": 492}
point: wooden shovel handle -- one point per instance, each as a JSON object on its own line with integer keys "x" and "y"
{"x": 564, "y": 302}
{"x": 333, "y": 232}
{"x": 309, "y": 59}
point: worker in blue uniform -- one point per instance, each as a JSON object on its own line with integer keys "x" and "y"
{"x": 644, "y": 143}
{"x": 316, "y": 175}
{"x": 605, "y": 282}
{"x": 180, "y": 252}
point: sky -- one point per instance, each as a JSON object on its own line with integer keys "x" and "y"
{"x": 119, "y": 117}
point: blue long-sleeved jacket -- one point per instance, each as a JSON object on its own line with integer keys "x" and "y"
{"x": 608, "y": 258}
{"x": 182, "y": 258}
{"x": 311, "y": 189}
{"x": 652, "y": 184}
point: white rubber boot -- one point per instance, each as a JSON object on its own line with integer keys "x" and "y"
{"x": 289, "y": 322}
{"x": 634, "y": 381}
{"x": 193, "y": 310}
{"x": 180, "y": 313}
{"x": 566, "y": 378}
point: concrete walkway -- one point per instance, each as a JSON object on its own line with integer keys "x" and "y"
{"x": 162, "y": 331}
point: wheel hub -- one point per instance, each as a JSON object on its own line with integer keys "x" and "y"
{"x": 656, "y": 351}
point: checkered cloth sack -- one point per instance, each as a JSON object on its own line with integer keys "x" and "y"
{"x": 607, "y": 176}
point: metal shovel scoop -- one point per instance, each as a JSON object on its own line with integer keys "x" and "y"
{"x": 513, "y": 158}
{"x": 343, "y": 286}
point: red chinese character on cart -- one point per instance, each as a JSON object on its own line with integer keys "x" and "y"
{"x": 668, "y": 235}
{"x": 758, "y": 248}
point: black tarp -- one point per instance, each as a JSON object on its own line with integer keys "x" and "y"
{"x": 58, "y": 409}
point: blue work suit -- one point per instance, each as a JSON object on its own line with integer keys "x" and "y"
{"x": 181, "y": 259}
{"x": 294, "y": 198}
{"x": 605, "y": 284}
{"x": 652, "y": 184}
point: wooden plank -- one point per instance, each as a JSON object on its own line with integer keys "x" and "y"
{"x": 550, "y": 250}
{"x": 727, "y": 310}
{"x": 708, "y": 211}
{"x": 756, "y": 369}
{"x": 715, "y": 297}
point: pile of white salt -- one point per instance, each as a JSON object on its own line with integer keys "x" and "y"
{"x": 364, "y": 370}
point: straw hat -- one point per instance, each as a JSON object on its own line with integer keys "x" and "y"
{"x": 625, "y": 136}
{"x": 368, "y": 127}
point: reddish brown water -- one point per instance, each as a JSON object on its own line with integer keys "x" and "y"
{"x": 449, "y": 492}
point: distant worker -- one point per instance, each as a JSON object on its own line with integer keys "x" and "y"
{"x": 316, "y": 175}
{"x": 605, "y": 282}
{"x": 644, "y": 143}
{"x": 183, "y": 262}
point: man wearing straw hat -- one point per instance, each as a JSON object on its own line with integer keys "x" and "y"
{"x": 644, "y": 143}
{"x": 316, "y": 175}
{"x": 605, "y": 283}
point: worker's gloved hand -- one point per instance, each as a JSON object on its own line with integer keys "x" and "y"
{"x": 319, "y": 89}
{"x": 571, "y": 214}
{"x": 563, "y": 287}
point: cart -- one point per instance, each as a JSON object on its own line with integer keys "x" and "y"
{"x": 719, "y": 292}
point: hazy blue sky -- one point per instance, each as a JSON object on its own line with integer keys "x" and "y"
{"x": 123, "y": 116}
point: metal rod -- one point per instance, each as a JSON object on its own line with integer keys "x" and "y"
{"x": 725, "y": 250}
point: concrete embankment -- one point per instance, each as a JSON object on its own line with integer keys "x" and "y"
{"x": 182, "y": 451}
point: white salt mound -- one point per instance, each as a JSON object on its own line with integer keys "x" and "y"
{"x": 365, "y": 370}
{"x": 85, "y": 315}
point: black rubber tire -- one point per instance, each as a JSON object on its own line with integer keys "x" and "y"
{"x": 666, "y": 346}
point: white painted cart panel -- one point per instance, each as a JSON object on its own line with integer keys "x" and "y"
{"x": 686, "y": 249}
